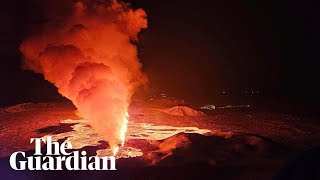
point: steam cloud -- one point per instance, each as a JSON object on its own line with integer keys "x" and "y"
{"x": 86, "y": 52}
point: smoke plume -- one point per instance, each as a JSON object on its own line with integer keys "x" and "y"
{"x": 85, "y": 49}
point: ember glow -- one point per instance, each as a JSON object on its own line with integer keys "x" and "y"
{"x": 83, "y": 135}
{"x": 86, "y": 52}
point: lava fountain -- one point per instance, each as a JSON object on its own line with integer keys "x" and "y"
{"x": 122, "y": 133}
{"x": 85, "y": 49}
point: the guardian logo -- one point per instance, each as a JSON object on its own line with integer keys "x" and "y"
{"x": 59, "y": 159}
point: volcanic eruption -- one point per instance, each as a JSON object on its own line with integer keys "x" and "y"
{"x": 85, "y": 49}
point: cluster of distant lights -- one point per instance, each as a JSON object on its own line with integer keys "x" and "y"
{"x": 162, "y": 95}
{"x": 244, "y": 92}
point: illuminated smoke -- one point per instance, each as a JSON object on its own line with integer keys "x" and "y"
{"x": 85, "y": 50}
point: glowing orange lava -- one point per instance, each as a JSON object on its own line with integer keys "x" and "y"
{"x": 122, "y": 133}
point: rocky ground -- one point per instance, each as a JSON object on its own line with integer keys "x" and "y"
{"x": 243, "y": 143}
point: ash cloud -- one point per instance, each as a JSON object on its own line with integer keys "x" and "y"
{"x": 84, "y": 48}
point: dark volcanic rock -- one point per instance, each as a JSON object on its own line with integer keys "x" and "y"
{"x": 185, "y": 148}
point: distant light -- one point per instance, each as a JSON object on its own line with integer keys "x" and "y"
{"x": 209, "y": 107}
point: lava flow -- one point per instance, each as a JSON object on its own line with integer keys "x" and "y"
{"x": 85, "y": 49}
{"x": 83, "y": 135}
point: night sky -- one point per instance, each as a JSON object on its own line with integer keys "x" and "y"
{"x": 194, "y": 49}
